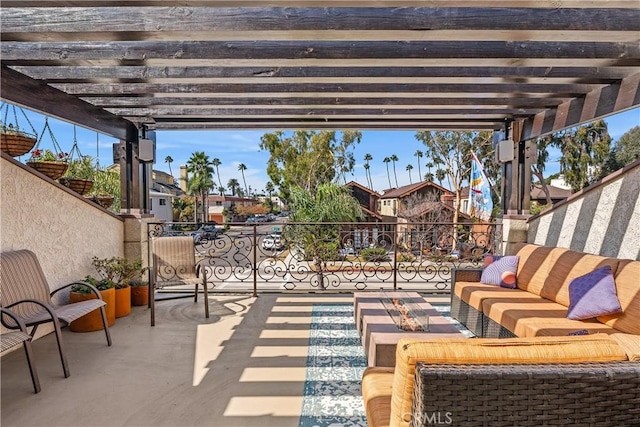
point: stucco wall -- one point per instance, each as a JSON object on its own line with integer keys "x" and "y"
{"x": 64, "y": 231}
{"x": 603, "y": 219}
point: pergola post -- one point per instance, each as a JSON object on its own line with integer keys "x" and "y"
{"x": 516, "y": 187}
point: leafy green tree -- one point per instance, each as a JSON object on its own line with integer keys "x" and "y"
{"x": 242, "y": 167}
{"x": 453, "y": 151}
{"x": 201, "y": 180}
{"x": 330, "y": 203}
{"x": 308, "y": 158}
{"x": 584, "y": 152}
{"x": 626, "y": 150}
{"x": 394, "y": 159}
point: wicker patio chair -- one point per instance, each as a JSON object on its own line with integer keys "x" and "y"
{"x": 26, "y": 292}
{"x": 174, "y": 264}
{"x": 15, "y": 338}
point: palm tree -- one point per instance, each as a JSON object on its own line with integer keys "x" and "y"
{"x": 366, "y": 173}
{"x": 429, "y": 165}
{"x": 169, "y": 160}
{"x": 428, "y": 176}
{"x": 201, "y": 180}
{"x": 233, "y": 185}
{"x": 409, "y": 167}
{"x": 216, "y": 162}
{"x": 367, "y": 158}
{"x": 394, "y": 159}
{"x": 269, "y": 188}
{"x": 386, "y": 161}
{"x": 419, "y": 155}
{"x": 242, "y": 167}
{"x": 221, "y": 190}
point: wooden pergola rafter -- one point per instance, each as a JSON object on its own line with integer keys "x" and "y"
{"x": 531, "y": 67}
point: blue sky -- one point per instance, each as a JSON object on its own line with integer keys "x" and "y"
{"x": 239, "y": 146}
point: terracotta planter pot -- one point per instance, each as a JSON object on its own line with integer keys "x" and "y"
{"x": 93, "y": 321}
{"x": 123, "y": 301}
{"x": 139, "y": 295}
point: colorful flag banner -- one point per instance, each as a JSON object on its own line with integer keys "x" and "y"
{"x": 480, "y": 204}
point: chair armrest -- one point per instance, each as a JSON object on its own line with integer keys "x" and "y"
{"x": 48, "y": 307}
{"x": 15, "y": 318}
{"x": 79, "y": 282}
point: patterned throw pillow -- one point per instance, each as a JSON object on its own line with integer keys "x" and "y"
{"x": 500, "y": 270}
{"x": 593, "y": 295}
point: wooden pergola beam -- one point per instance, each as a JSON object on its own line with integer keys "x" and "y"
{"x": 22, "y": 90}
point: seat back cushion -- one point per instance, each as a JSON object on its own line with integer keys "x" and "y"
{"x": 627, "y": 278}
{"x": 573, "y": 349}
{"x": 174, "y": 258}
{"x": 23, "y": 278}
{"x": 567, "y": 265}
{"x": 532, "y": 267}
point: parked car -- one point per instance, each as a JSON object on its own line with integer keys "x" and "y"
{"x": 251, "y": 220}
{"x": 205, "y": 232}
{"x": 273, "y": 242}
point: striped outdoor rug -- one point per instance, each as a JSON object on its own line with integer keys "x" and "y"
{"x": 336, "y": 361}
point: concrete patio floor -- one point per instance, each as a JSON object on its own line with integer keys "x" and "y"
{"x": 245, "y": 366}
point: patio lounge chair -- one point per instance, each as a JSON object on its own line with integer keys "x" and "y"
{"x": 26, "y": 292}
{"x": 174, "y": 264}
{"x": 12, "y": 339}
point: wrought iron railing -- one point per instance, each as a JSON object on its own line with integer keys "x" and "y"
{"x": 283, "y": 256}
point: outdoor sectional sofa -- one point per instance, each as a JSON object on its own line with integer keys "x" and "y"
{"x": 527, "y": 367}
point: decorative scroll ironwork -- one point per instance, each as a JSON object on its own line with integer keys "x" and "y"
{"x": 282, "y": 256}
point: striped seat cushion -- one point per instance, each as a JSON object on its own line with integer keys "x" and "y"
{"x": 12, "y": 339}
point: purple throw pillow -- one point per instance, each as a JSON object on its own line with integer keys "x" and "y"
{"x": 500, "y": 271}
{"x": 593, "y": 295}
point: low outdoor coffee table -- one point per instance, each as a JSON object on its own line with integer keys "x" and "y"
{"x": 382, "y": 318}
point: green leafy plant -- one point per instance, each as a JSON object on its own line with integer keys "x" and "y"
{"x": 120, "y": 271}
{"x": 374, "y": 254}
{"x": 100, "y": 284}
{"x": 82, "y": 168}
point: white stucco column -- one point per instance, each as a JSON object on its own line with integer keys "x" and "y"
{"x": 514, "y": 230}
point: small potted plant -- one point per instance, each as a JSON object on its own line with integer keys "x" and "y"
{"x": 93, "y": 321}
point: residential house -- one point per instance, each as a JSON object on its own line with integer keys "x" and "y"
{"x": 222, "y": 206}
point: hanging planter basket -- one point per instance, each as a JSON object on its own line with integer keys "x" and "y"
{"x": 103, "y": 200}
{"x": 13, "y": 140}
{"x": 16, "y": 143}
{"x": 80, "y": 186}
{"x": 47, "y": 162}
{"x": 53, "y": 170}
